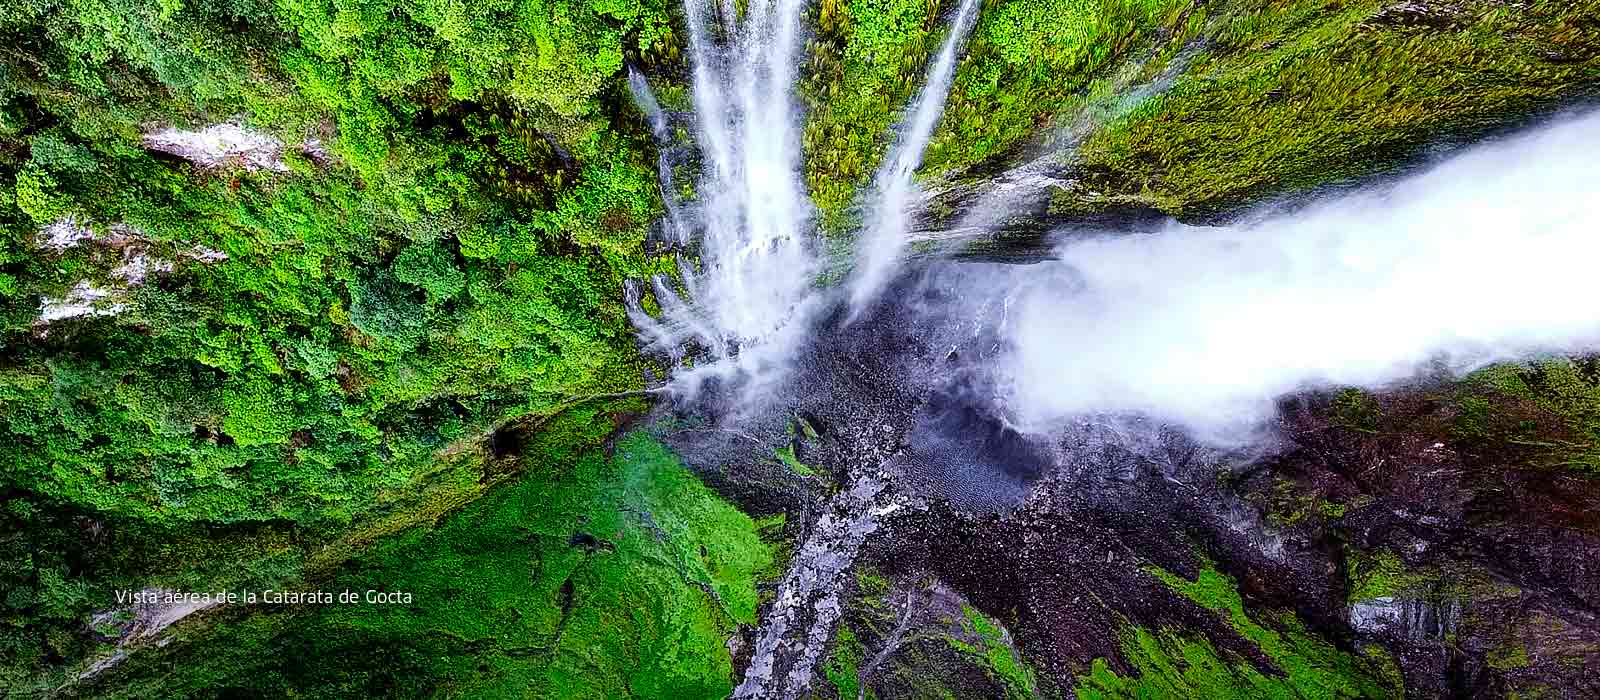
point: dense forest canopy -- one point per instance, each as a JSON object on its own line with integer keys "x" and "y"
{"x": 441, "y": 250}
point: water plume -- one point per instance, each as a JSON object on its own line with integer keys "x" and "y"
{"x": 894, "y": 187}
{"x": 1487, "y": 257}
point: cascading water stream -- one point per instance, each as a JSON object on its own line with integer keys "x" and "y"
{"x": 886, "y": 233}
{"x": 661, "y": 129}
{"x": 745, "y": 297}
{"x": 747, "y": 301}
{"x": 1484, "y": 258}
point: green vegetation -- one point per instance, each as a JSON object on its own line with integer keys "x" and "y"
{"x": 393, "y": 362}
{"x": 843, "y": 667}
{"x": 62, "y": 564}
{"x": 1030, "y": 59}
{"x": 863, "y": 67}
{"x": 785, "y": 455}
{"x": 1382, "y": 575}
{"x": 1550, "y": 408}
{"x": 1508, "y": 658}
{"x": 1169, "y": 664}
{"x": 447, "y": 262}
{"x": 998, "y": 657}
{"x": 1354, "y": 409}
{"x": 604, "y": 577}
{"x": 1196, "y": 109}
{"x": 1289, "y": 95}
{"x": 371, "y": 311}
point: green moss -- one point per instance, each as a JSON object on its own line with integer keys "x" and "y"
{"x": 603, "y": 577}
{"x": 785, "y": 455}
{"x": 871, "y": 584}
{"x": 1387, "y": 666}
{"x": 1288, "y": 95}
{"x": 843, "y": 667}
{"x": 995, "y": 653}
{"x": 1354, "y": 409}
{"x": 1549, "y": 411}
{"x": 1169, "y": 664}
{"x": 772, "y": 530}
{"x": 1029, "y": 60}
{"x": 1381, "y": 575}
{"x": 1287, "y": 506}
{"x": 1508, "y": 658}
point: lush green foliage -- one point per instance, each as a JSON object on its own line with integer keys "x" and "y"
{"x": 1027, "y": 60}
{"x": 863, "y": 67}
{"x": 997, "y": 654}
{"x": 444, "y": 259}
{"x": 455, "y": 261}
{"x": 1551, "y": 408}
{"x": 449, "y": 259}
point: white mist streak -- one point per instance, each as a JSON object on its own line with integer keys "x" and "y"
{"x": 1488, "y": 257}
{"x": 645, "y": 99}
{"x": 886, "y": 232}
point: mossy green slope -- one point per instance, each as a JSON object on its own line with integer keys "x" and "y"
{"x": 1169, "y": 663}
{"x": 617, "y": 576}
{"x": 1286, "y": 96}
{"x": 448, "y": 259}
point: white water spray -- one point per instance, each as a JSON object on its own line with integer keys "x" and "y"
{"x": 751, "y": 286}
{"x": 1488, "y": 257}
{"x": 890, "y": 218}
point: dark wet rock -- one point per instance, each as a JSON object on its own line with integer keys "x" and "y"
{"x": 1481, "y": 547}
{"x": 1024, "y": 214}
{"x": 1414, "y": 13}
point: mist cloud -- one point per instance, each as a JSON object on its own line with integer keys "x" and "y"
{"x": 1492, "y": 255}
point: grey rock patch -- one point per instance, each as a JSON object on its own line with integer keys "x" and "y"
{"x": 219, "y": 145}
{"x": 138, "y": 622}
{"x": 84, "y": 299}
{"x": 1410, "y": 619}
{"x": 64, "y": 234}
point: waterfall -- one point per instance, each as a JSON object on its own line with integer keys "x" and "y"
{"x": 894, "y": 187}
{"x": 745, "y": 296}
{"x": 646, "y": 101}
{"x": 807, "y": 604}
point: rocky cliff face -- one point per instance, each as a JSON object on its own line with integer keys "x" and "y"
{"x": 1434, "y": 539}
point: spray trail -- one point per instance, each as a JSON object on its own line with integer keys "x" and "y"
{"x": 1487, "y": 257}
{"x": 887, "y": 229}
{"x": 645, "y": 99}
